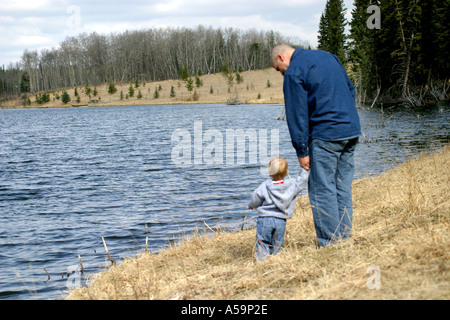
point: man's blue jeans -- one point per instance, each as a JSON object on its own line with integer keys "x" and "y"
{"x": 329, "y": 187}
{"x": 269, "y": 236}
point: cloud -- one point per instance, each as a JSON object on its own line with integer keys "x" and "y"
{"x": 226, "y": 8}
{"x": 168, "y": 6}
{"x": 23, "y": 5}
{"x": 33, "y": 41}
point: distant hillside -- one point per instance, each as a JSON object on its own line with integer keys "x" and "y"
{"x": 261, "y": 86}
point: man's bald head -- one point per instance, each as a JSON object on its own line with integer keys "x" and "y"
{"x": 281, "y": 57}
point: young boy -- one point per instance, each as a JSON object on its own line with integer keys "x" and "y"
{"x": 274, "y": 201}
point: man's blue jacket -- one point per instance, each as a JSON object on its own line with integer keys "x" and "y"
{"x": 319, "y": 100}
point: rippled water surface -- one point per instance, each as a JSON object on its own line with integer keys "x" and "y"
{"x": 69, "y": 177}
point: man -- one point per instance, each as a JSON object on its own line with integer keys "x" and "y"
{"x": 324, "y": 127}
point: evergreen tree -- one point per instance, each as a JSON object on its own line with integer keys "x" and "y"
{"x": 131, "y": 91}
{"x": 42, "y": 98}
{"x": 407, "y": 17}
{"x": 87, "y": 90}
{"x": 230, "y": 80}
{"x": 25, "y": 83}
{"x": 112, "y": 88}
{"x": 65, "y": 98}
{"x": 362, "y": 52}
{"x": 409, "y": 52}
{"x": 183, "y": 72}
{"x": 226, "y": 68}
{"x": 239, "y": 78}
{"x": 323, "y": 39}
{"x": 190, "y": 84}
{"x": 441, "y": 37}
{"x": 46, "y": 97}
{"x": 331, "y": 29}
{"x": 198, "y": 82}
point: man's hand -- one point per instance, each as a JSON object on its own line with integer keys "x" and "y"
{"x": 304, "y": 162}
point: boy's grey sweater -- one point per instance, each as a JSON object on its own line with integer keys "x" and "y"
{"x": 278, "y": 200}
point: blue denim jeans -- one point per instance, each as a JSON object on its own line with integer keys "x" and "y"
{"x": 329, "y": 187}
{"x": 269, "y": 236}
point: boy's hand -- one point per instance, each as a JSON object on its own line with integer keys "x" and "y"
{"x": 304, "y": 162}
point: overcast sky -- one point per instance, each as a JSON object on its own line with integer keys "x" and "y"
{"x": 38, "y": 24}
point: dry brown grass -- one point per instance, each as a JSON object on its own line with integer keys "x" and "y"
{"x": 401, "y": 225}
{"x": 254, "y": 83}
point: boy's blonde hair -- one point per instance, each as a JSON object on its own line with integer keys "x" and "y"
{"x": 278, "y": 168}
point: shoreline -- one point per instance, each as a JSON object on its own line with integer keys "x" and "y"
{"x": 401, "y": 221}
{"x": 175, "y": 103}
{"x": 258, "y": 87}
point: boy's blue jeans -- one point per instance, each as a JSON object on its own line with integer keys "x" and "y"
{"x": 329, "y": 187}
{"x": 269, "y": 236}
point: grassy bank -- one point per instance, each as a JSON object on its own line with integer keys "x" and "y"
{"x": 259, "y": 86}
{"x": 401, "y": 228}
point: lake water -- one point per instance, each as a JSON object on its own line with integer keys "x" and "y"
{"x": 69, "y": 177}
